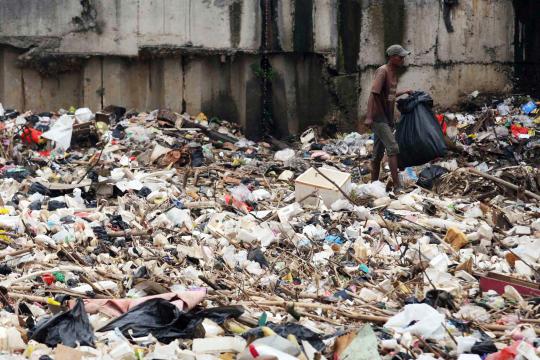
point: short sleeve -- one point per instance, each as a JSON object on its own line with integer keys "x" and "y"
{"x": 378, "y": 81}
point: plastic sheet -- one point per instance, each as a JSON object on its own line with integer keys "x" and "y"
{"x": 166, "y": 322}
{"x": 428, "y": 176}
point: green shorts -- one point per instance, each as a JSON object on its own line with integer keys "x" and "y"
{"x": 384, "y": 140}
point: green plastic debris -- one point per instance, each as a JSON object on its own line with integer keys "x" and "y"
{"x": 59, "y": 276}
{"x": 263, "y": 319}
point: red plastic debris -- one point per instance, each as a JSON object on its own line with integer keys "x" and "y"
{"x": 30, "y": 135}
{"x": 48, "y": 278}
{"x": 440, "y": 119}
{"x": 518, "y": 130}
{"x": 508, "y": 353}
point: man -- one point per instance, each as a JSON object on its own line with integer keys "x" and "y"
{"x": 380, "y": 113}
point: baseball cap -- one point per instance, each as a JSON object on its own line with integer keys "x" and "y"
{"x": 397, "y": 50}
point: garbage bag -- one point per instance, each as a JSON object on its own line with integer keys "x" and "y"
{"x": 166, "y": 322}
{"x": 427, "y": 177}
{"x": 418, "y": 133}
{"x": 68, "y": 328}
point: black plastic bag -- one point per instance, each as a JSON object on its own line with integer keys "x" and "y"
{"x": 39, "y": 188}
{"x": 419, "y": 135}
{"x": 440, "y": 298}
{"x": 427, "y": 177}
{"x": 35, "y": 205}
{"x": 483, "y": 347}
{"x": 68, "y": 328}
{"x": 166, "y": 322}
{"x": 55, "y": 204}
{"x": 197, "y": 157}
{"x": 258, "y": 256}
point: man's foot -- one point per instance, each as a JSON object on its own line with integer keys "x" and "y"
{"x": 398, "y": 190}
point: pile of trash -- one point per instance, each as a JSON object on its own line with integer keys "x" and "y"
{"x": 159, "y": 235}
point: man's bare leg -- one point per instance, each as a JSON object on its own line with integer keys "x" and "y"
{"x": 393, "y": 163}
{"x": 375, "y": 169}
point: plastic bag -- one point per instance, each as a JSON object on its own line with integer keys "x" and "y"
{"x": 440, "y": 298}
{"x": 418, "y": 133}
{"x": 69, "y": 328}
{"x": 408, "y": 177}
{"x": 84, "y": 114}
{"x": 242, "y": 193}
{"x": 427, "y": 177}
{"x": 418, "y": 319}
{"x": 61, "y": 132}
{"x": 284, "y": 155}
{"x": 166, "y": 322}
{"x": 376, "y": 189}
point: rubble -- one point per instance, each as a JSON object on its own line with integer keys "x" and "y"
{"x": 167, "y": 236}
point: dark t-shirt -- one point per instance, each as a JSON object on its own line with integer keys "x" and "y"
{"x": 382, "y": 98}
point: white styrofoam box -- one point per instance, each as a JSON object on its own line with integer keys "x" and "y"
{"x": 311, "y": 181}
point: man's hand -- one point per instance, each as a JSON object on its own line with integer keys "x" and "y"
{"x": 403, "y": 92}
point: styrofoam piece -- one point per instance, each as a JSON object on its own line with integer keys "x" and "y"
{"x": 311, "y": 181}
{"x": 218, "y": 345}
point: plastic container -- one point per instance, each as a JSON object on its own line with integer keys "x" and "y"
{"x": 311, "y": 181}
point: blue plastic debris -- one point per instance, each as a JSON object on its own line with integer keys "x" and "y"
{"x": 334, "y": 239}
{"x": 528, "y": 107}
{"x": 364, "y": 268}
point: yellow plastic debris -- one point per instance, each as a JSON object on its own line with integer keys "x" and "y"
{"x": 267, "y": 331}
{"x": 456, "y": 238}
{"x": 51, "y": 301}
{"x": 288, "y": 278}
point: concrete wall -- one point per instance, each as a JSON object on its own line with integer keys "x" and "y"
{"x": 200, "y": 55}
{"x": 478, "y": 55}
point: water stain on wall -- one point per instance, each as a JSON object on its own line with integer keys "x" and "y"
{"x": 393, "y": 21}
{"x": 303, "y": 26}
{"x": 349, "y": 26}
{"x": 235, "y": 22}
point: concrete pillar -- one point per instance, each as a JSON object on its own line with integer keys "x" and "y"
{"x": 93, "y": 83}
{"x": 11, "y": 89}
{"x": 194, "y": 83}
{"x": 325, "y": 29}
{"x": 126, "y": 83}
{"x": 173, "y": 83}
{"x": 284, "y": 88}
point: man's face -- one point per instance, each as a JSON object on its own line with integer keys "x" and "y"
{"x": 397, "y": 60}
